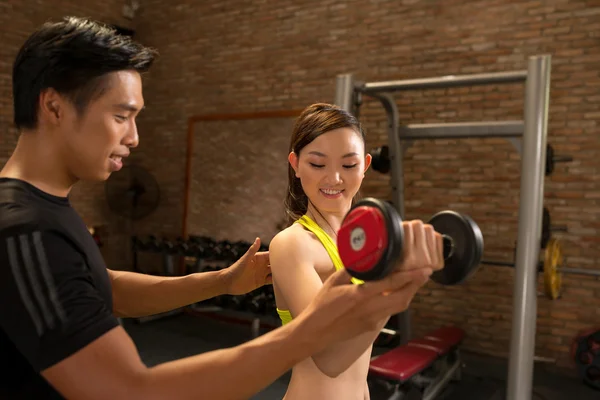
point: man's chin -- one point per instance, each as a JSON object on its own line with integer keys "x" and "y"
{"x": 98, "y": 177}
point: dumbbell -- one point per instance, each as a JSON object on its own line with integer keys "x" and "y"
{"x": 258, "y": 303}
{"x": 168, "y": 249}
{"x": 371, "y": 238}
{"x": 153, "y": 244}
{"x": 207, "y": 247}
{"x": 137, "y": 244}
{"x": 181, "y": 247}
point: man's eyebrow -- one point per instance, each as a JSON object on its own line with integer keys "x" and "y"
{"x": 128, "y": 107}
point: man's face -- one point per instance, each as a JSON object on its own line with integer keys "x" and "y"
{"x": 96, "y": 142}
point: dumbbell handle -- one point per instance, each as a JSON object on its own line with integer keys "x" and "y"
{"x": 448, "y": 246}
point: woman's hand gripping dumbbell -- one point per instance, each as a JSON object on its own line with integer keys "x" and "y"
{"x": 371, "y": 242}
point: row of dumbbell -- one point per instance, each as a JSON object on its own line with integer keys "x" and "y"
{"x": 260, "y": 301}
{"x": 201, "y": 247}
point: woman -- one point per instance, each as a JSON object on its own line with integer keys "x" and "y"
{"x": 327, "y": 163}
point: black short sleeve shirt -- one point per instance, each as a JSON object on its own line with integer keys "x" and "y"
{"x": 55, "y": 293}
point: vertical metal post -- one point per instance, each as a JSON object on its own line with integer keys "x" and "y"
{"x": 533, "y": 158}
{"x": 397, "y": 185}
{"x": 344, "y": 92}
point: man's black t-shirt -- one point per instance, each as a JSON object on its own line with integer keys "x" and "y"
{"x": 55, "y": 292}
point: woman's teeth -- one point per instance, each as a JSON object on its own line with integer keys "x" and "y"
{"x": 331, "y": 191}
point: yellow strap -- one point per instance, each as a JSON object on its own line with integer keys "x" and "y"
{"x": 330, "y": 247}
{"x": 327, "y": 242}
{"x": 285, "y": 316}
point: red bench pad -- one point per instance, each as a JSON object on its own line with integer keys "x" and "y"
{"x": 436, "y": 345}
{"x": 403, "y": 362}
{"x": 449, "y": 335}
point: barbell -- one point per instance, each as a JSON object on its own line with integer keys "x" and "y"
{"x": 381, "y": 159}
{"x": 552, "y": 267}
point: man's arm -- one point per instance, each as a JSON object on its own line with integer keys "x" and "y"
{"x": 110, "y": 367}
{"x": 137, "y": 295}
{"x": 51, "y": 308}
{"x": 296, "y": 279}
{"x": 79, "y": 347}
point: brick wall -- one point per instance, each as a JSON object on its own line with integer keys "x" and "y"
{"x": 238, "y": 56}
{"x": 18, "y": 19}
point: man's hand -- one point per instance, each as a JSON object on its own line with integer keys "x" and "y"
{"x": 248, "y": 273}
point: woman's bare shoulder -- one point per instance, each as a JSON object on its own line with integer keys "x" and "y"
{"x": 294, "y": 241}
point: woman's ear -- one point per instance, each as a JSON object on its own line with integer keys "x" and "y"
{"x": 293, "y": 159}
{"x": 368, "y": 160}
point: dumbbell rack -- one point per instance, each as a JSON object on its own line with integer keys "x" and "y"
{"x": 203, "y": 254}
{"x": 533, "y": 147}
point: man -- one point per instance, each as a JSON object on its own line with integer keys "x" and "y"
{"x": 77, "y": 91}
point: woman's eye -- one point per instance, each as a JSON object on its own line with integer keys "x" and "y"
{"x": 350, "y": 166}
{"x": 121, "y": 118}
{"x": 316, "y": 165}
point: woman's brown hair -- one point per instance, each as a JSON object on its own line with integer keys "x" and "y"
{"x": 314, "y": 121}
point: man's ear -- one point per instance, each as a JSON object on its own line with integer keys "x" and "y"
{"x": 51, "y": 106}
{"x": 293, "y": 160}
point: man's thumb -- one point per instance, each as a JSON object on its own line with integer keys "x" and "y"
{"x": 340, "y": 277}
{"x": 254, "y": 248}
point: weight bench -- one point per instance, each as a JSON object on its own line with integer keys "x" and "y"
{"x": 426, "y": 363}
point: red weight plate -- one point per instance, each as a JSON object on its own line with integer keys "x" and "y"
{"x": 362, "y": 239}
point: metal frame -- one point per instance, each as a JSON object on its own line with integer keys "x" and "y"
{"x": 533, "y": 134}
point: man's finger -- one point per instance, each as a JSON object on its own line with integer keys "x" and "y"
{"x": 338, "y": 278}
{"x": 397, "y": 280}
{"x": 262, "y": 256}
{"x": 396, "y": 301}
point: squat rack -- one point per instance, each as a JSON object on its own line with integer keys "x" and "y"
{"x": 533, "y": 134}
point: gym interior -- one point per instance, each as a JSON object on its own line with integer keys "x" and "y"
{"x": 489, "y": 108}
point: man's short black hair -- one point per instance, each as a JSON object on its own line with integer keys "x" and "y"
{"x": 71, "y": 56}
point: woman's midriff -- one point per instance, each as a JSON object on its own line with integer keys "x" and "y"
{"x": 308, "y": 382}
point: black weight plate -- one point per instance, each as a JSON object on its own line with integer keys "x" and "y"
{"x": 592, "y": 376}
{"x": 546, "y": 227}
{"x": 549, "y": 160}
{"x": 468, "y": 247}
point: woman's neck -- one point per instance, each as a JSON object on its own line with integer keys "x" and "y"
{"x": 330, "y": 222}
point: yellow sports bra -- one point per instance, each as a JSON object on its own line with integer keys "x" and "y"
{"x": 331, "y": 249}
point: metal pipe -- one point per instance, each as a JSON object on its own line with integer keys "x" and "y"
{"x": 432, "y": 391}
{"x": 397, "y": 184}
{"x": 562, "y": 270}
{"x": 344, "y": 92}
{"x": 444, "y": 82}
{"x": 578, "y": 271}
{"x": 533, "y": 161}
{"x": 500, "y": 129}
